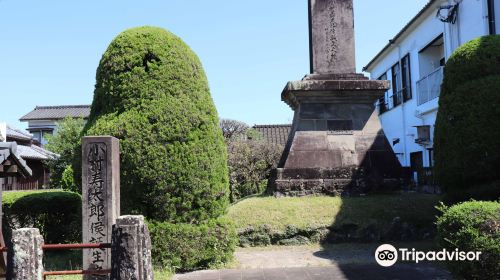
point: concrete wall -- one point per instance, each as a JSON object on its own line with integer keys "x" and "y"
{"x": 399, "y": 122}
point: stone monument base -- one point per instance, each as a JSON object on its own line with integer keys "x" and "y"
{"x": 348, "y": 181}
{"x": 336, "y": 145}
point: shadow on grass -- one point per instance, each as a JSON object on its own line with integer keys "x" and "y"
{"x": 404, "y": 220}
{"x": 62, "y": 260}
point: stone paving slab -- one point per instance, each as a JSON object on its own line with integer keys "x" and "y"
{"x": 333, "y": 272}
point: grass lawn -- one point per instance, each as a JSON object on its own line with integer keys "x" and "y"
{"x": 320, "y": 211}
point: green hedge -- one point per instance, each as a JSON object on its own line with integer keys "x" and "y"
{"x": 152, "y": 93}
{"x": 186, "y": 247}
{"x": 466, "y": 135}
{"x": 472, "y": 226}
{"x": 57, "y": 214}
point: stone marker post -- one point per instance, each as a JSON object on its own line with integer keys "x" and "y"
{"x": 101, "y": 198}
{"x": 331, "y": 27}
{"x": 131, "y": 250}
{"x": 26, "y": 255}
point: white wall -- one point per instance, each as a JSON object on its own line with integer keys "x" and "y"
{"x": 472, "y": 23}
{"x": 3, "y": 131}
{"x": 400, "y": 121}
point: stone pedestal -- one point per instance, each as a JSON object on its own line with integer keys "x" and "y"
{"x": 101, "y": 198}
{"x": 26, "y": 255}
{"x": 131, "y": 250}
{"x": 336, "y": 145}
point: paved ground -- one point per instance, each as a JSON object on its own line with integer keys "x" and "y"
{"x": 314, "y": 263}
{"x": 334, "y": 272}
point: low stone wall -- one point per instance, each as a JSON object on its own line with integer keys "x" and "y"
{"x": 347, "y": 233}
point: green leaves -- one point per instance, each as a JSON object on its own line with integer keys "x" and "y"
{"x": 466, "y": 134}
{"x": 189, "y": 247}
{"x": 64, "y": 143}
{"x": 152, "y": 94}
{"x": 56, "y": 213}
{"x": 472, "y": 226}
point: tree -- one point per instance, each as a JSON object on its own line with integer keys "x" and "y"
{"x": 64, "y": 143}
{"x": 250, "y": 159}
{"x": 467, "y": 126}
{"x": 233, "y": 128}
{"x": 250, "y": 165}
{"x": 152, "y": 93}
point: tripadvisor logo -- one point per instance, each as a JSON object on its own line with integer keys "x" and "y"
{"x": 387, "y": 255}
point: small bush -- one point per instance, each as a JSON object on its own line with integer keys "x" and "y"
{"x": 186, "y": 247}
{"x": 472, "y": 226}
{"x": 68, "y": 180}
{"x": 250, "y": 164}
{"x": 56, "y": 213}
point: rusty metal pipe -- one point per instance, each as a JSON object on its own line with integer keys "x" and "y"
{"x": 76, "y": 246}
{"x": 76, "y": 272}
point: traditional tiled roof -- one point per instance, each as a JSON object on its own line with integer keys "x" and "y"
{"x": 57, "y": 112}
{"x": 275, "y": 133}
{"x": 28, "y": 151}
{"x": 18, "y": 134}
{"x": 35, "y": 152}
{"x": 9, "y": 150}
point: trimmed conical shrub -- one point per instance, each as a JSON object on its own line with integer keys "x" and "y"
{"x": 467, "y": 134}
{"x": 152, "y": 93}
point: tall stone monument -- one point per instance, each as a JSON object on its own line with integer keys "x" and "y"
{"x": 101, "y": 198}
{"x": 336, "y": 145}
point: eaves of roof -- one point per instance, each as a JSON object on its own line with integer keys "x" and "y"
{"x": 401, "y": 33}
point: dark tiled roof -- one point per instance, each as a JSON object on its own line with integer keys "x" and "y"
{"x": 35, "y": 152}
{"x": 27, "y": 150}
{"x": 400, "y": 33}
{"x": 274, "y": 133}
{"x": 18, "y": 134}
{"x": 9, "y": 150}
{"x": 57, "y": 112}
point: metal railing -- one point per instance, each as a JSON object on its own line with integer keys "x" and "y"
{"x": 46, "y": 247}
{"x": 382, "y": 106}
{"x": 397, "y": 98}
{"x": 52, "y": 247}
{"x": 429, "y": 87}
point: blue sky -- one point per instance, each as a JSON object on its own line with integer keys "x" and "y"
{"x": 49, "y": 50}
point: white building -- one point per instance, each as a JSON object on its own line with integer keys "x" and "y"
{"x": 413, "y": 61}
{"x": 42, "y": 121}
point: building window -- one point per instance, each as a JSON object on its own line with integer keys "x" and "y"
{"x": 383, "y": 102}
{"x": 41, "y": 135}
{"x": 37, "y": 135}
{"x": 406, "y": 78}
{"x": 396, "y": 84}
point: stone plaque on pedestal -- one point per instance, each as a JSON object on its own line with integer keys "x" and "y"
{"x": 100, "y": 198}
